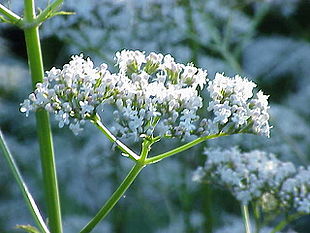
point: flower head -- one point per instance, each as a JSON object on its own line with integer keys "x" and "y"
{"x": 153, "y": 95}
{"x": 156, "y": 95}
{"x": 236, "y": 108}
{"x": 72, "y": 93}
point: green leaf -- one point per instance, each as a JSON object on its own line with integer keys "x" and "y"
{"x": 28, "y": 228}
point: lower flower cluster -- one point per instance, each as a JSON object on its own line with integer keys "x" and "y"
{"x": 258, "y": 176}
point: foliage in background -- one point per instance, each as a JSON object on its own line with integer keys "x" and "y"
{"x": 266, "y": 40}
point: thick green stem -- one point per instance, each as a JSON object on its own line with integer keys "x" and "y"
{"x": 184, "y": 147}
{"x": 246, "y": 218}
{"x": 114, "y": 198}
{"x": 43, "y": 123}
{"x": 23, "y": 187}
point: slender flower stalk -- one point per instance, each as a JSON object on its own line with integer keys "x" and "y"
{"x": 47, "y": 12}
{"x": 107, "y": 207}
{"x": 10, "y": 15}
{"x": 184, "y": 147}
{"x": 43, "y": 123}
{"x": 286, "y": 221}
{"x": 246, "y": 218}
{"x": 257, "y": 217}
{"x": 126, "y": 151}
{"x": 22, "y": 185}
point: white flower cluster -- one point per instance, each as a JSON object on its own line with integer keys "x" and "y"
{"x": 153, "y": 95}
{"x": 235, "y": 108}
{"x": 73, "y": 93}
{"x": 155, "y": 91}
{"x": 257, "y": 175}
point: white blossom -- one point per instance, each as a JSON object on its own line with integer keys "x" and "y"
{"x": 149, "y": 91}
{"x": 164, "y": 89}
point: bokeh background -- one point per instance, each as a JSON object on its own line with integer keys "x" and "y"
{"x": 264, "y": 40}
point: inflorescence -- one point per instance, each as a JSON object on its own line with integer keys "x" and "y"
{"x": 258, "y": 176}
{"x": 235, "y": 108}
{"x": 156, "y": 92}
{"x": 73, "y": 93}
{"x": 153, "y": 96}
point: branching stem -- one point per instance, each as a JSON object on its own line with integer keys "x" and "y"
{"x": 10, "y": 15}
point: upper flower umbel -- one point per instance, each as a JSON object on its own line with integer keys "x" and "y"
{"x": 156, "y": 95}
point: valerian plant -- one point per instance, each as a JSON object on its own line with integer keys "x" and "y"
{"x": 154, "y": 98}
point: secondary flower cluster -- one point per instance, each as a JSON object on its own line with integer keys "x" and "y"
{"x": 155, "y": 91}
{"x": 73, "y": 93}
{"x": 257, "y": 175}
{"x": 235, "y": 108}
{"x": 153, "y": 96}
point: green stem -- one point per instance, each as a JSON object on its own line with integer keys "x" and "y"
{"x": 207, "y": 204}
{"x": 146, "y": 147}
{"x": 112, "y": 138}
{"x": 184, "y": 147}
{"x": 43, "y": 123}
{"x": 286, "y": 221}
{"x": 10, "y": 15}
{"x": 111, "y": 202}
{"x": 114, "y": 198}
{"x": 246, "y": 218}
{"x": 23, "y": 187}
{"x": 257, "y": 218}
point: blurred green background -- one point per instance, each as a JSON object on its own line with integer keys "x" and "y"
{"x": 267, "y": 41}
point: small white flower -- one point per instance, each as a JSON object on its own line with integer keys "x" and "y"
{"x": 26, "y": 107}
{"x": 75, "y": 127}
